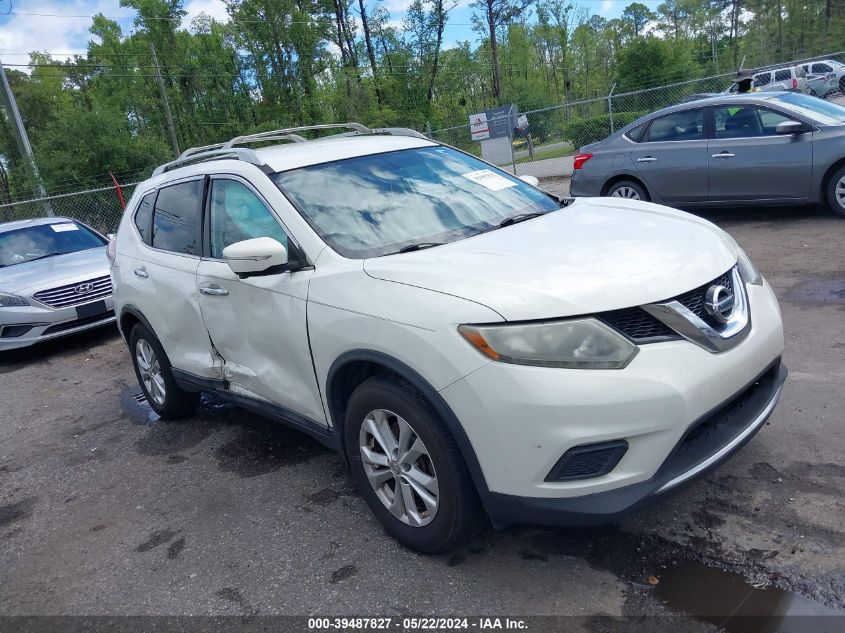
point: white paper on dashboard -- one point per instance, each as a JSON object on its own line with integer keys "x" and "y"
{"x": 61, "y": 228}
{"x": 489, "y": 179}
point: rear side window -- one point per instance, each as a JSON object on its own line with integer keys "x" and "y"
{"x": 822, "y": 68}
{"x": 636, "y": 134}
{"x": 763, "y": 79}
{"x": 176, "y": 217}
{"x": 687, "y": 125}
{"x": 783, "y": 75}
{"x": 143, "y": 215}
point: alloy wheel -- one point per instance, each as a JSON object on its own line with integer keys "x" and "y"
{"x": 840, "y": 192}
{"x": 626, "y": 192}
{"x": 399, "y": 467}
{"x": 150, "y": 370}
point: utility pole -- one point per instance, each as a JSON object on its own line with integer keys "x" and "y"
{"x": 20, "y": 136}
{"x": 169, "y": 118}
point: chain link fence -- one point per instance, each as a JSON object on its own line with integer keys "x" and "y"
{"x": 543, "y": 146}
{"x": 98, "y": 208}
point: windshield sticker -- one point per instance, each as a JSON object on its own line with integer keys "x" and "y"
{"x": 61, "y": 228}
{"x": 489, "y": 179}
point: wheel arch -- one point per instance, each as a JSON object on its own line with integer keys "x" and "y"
{"x": 619, "y": 178}
{"x": 354, "y": 367}
{"x": 828, "y": 174}
{"x": 129, "y": 317}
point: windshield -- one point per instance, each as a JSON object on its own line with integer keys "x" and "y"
{"x": 45, "y": 240}
{"x": 824, "y": 112}
{"x": 375, "y": 205}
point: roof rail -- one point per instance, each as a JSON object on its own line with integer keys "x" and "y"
{"x": 219, "y": 151}
{"x": 198, "y": 154}
{"x": 290, "y": 133}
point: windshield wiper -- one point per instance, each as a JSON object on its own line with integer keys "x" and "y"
{"x": 418, "y": 246}
{"x": 515, "y": 219}
{"x": 43, "y": 257}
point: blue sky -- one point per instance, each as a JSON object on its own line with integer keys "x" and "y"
{"x": 55, "y": 31}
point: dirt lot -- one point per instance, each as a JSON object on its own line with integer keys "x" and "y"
{"x": 105, "y": 510}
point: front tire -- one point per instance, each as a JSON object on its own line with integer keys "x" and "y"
{"x": 155, "y": 377}
{"x": 408, "y": 467}
{"x": 627, "y": 189}
{"x": 836, "y": 192}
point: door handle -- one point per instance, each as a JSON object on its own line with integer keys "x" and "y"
{"x": 142, "y": 272}
{"x": 646, "y": 159}
{"x": 724, "y": 155}
{"x": 214, "y": 290}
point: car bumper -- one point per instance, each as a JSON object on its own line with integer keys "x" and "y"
{"x": 521, "y": 420}
{"x": 28, "y": 325}
{"x": 585, "y": 185}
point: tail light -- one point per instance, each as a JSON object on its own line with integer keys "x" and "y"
{"x": 794, "y": 83}
{"x": 580, "y": 159}
{"x": 111, "y": 249}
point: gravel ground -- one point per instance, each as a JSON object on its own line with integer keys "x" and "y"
{"x": 105, "y": 510}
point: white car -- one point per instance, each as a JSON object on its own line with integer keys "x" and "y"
{"x": 470, "y": 344}
{"x": 54, "y": 281}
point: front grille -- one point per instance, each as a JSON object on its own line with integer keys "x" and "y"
{"x": 694, "y": 299}
{"x": 65, "y": 296}
{"x": 638, "y": 325}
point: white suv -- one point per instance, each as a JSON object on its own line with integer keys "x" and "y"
{"x": 470, "y": 344}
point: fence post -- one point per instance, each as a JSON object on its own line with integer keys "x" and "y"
{"x": 428, "y": 129}
{"x": 610, "y": 106}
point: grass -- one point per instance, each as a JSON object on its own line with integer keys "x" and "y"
{"x": 541, "y": 153}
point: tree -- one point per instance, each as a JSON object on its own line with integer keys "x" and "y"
{"x": 494, "y": 14}
{"x": 637, "y": 15}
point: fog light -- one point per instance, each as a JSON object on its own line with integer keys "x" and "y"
{"x": 588, "y": 460}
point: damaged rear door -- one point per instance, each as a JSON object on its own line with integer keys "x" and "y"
{"x": 257, "y": 325}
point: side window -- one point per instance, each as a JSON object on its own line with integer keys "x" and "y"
{"x": 822, "y": 68}
{"x": 177, "y": 211}
{"x": 783, "y": 75}
{"x": 238, "y": 214}
{"x": 687, "y": 125}
{"x": 770, "y": 119}
{"x": 736, "y": 122}
{"x": 142, "y": 216}
{"x": 763, "y": 79}
{"x": 741, "y": 122}
{"x": 636, "y": 134}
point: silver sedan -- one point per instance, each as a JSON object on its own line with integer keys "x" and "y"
{"x": 54, "y": 281}
{"x": 770, "y": 148}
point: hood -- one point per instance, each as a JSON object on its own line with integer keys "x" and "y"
{"x": 595, "y": 255}
{"x": 52, "y": 271}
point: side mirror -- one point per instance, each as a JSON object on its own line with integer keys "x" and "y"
{"x": 258, "y": 256}
{"x": 789, "y": 127}
{"x": 531, "y": 180}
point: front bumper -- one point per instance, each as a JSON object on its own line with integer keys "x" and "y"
{"x": 27, "y": 325}
{"x": 708, "y": 443}
{"x": 520, "y": 420}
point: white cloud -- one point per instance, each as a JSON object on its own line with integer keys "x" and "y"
{"x": 215, "y": 8}
{"x": 69, "y": 35}
{"x": 606, "y": 6}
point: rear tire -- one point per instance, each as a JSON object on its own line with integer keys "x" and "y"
{"x": 836, "y": 192}
{"x": 396, "y": 443}
{"x": 629, "y": 190}
{"x": 153, "y": 369}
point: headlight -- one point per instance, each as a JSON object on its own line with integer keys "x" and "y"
{"x": 9, "y": 300}
{"x": 747, "y": 270}
{"x": 579, "y": 343}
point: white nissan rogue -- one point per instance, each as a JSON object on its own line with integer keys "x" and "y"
{"x": 470, "y": 344}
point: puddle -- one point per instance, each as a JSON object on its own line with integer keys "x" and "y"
{"x": 728, "y": 601}
{"x": 136, "y": 407}
{"x": 820, "y": 291}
